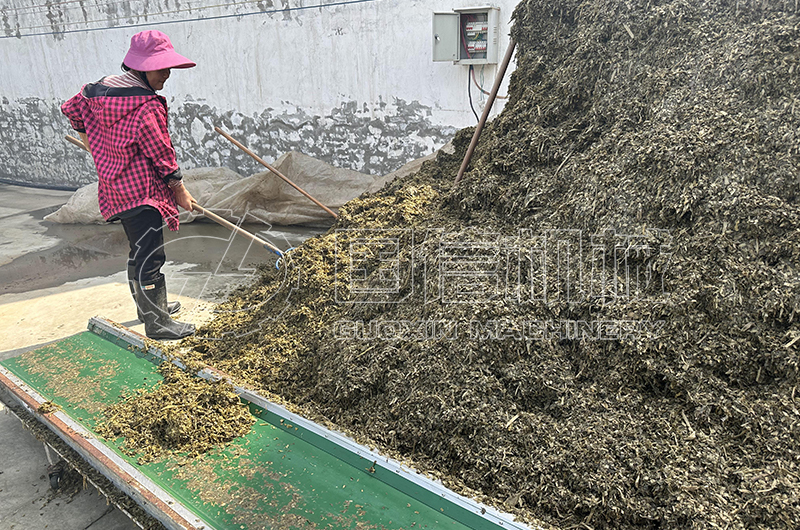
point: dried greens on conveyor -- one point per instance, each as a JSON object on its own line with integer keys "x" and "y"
{"x": 182, "y": 415}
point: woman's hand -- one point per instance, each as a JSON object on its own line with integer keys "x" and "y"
{"x": 183, "y": 197}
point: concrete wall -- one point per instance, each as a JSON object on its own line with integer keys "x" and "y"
{"x": 351, "y": 82}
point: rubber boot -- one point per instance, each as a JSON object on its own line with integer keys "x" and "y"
{"x": 172, "y": 307}
{"x": 151, "y": 297}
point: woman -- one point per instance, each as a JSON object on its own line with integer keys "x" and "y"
{"x": 123, "y": 122}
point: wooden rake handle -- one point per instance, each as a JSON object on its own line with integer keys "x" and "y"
{"x": 232, "y": 227}
{"x": 73, "y": 140}
{"x": 275, "y": 171}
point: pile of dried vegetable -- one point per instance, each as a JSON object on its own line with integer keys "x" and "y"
{"x": 182, "y": 415}
{"x": 659, "y": 143}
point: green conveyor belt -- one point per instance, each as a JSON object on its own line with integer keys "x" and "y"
{"x": 279, "y": 476}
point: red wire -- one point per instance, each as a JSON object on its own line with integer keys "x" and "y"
{"x": 481, "y": 88}
{"x": 464, "y": 36}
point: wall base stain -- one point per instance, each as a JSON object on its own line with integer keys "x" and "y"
{"x": 374, "y": 139}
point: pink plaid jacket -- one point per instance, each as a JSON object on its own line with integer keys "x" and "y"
{"x": 131, "y": 147}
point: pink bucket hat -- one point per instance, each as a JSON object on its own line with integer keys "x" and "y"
{"x": 151, "y": 50}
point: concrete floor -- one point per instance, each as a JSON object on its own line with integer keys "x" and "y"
{"x": 53, "y": 278}
{"x": 26, "y": 501}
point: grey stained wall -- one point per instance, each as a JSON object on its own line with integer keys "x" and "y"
{"x": 348, "y": 137}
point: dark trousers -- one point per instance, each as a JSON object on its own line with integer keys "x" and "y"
{"x": 146, "y": 238}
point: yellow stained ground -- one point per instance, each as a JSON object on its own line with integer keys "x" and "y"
{"x": 37, "y": 317}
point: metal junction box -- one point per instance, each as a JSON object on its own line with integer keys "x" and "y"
{"x": 467, "y": 35}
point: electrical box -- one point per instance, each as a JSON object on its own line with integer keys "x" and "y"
{"x": 466, "y": 36}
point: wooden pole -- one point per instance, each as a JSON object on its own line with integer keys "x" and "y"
{"x": 275, "y": 171}
{"x": 492, "y": 95}
{"x": 227, "y": 224}
{"x": 73, "y": 140}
